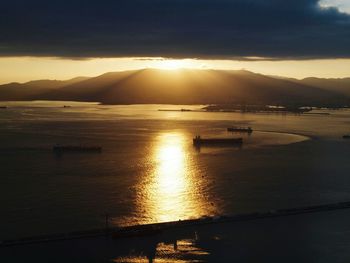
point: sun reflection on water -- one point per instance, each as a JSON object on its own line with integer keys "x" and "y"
{"x": 172, "y": 192}
{"x": 186, "y": 251}
{"x": 171, "y": 168}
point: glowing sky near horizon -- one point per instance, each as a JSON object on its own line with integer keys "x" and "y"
{"x": 22, "y": 69}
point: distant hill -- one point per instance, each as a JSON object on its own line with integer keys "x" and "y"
{"x": 185, "y": 86}
{"x": 33, "y": 89}
{"x": 342, "y": 86}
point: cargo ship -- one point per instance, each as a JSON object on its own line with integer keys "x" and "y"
{"x": 198, "y": 141}
{"x": 240, "y": 129}
{"x": 75, "y": 148}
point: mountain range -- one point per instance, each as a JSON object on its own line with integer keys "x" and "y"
{"x": 185, "y": 86}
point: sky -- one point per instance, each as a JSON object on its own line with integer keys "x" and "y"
{"x": 63, "y": 39}
{"x": 342, "y": 5}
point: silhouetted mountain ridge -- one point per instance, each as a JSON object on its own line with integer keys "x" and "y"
{"x": 340, "y": 85}
{"x": 186, "y": 86}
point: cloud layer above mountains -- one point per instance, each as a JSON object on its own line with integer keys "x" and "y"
{"x": 228, "y": 29}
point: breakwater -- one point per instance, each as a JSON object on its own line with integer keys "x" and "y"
{"x": 157, "y": 228}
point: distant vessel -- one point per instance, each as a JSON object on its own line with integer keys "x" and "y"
{"x": 347, "y": 136}
{"x": 75, "y": 148}
{"x": 3, "y": 107}
{"x": 198, "y": 141}
{"x": 66, "y": 106}
{"x": 240, "y": 129}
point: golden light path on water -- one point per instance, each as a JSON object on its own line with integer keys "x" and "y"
{"x": 173, "y": 190}
{"x": 173, "y": 186}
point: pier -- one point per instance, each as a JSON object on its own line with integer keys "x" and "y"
{"x": 138, "y": 231}
{"x": 75, "y": 148}
{"x": 198, "y": 141}
{"x": 248, "y": 130}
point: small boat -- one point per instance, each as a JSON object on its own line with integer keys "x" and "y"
{"x": 240, "y": 129}
{"x": 3, "y": 107}
{"x": 347, "y": 136}
{"x": 75, "y": 148}
{"x": 66, "y": 106}
{"x": 198, "y": 141}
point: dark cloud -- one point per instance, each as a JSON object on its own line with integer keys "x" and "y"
{"x": 174, "y": 28}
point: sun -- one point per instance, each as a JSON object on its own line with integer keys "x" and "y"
{"x": 174, "y": 64}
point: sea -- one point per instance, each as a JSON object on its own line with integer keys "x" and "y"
{"x": 149, "y": 171}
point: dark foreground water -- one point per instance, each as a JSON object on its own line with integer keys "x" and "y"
{"x": 149, "y": 170}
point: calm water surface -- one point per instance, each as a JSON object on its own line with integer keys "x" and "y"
{"x": 149, "y": 170}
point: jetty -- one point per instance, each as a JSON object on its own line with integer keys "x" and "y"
{"x": 240, "y": 129}
{"x": 75, "y": 148}
{"x": 181, "y": 110}
{"x": 198, "y": 141}
{"x": 158, "y": 228}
